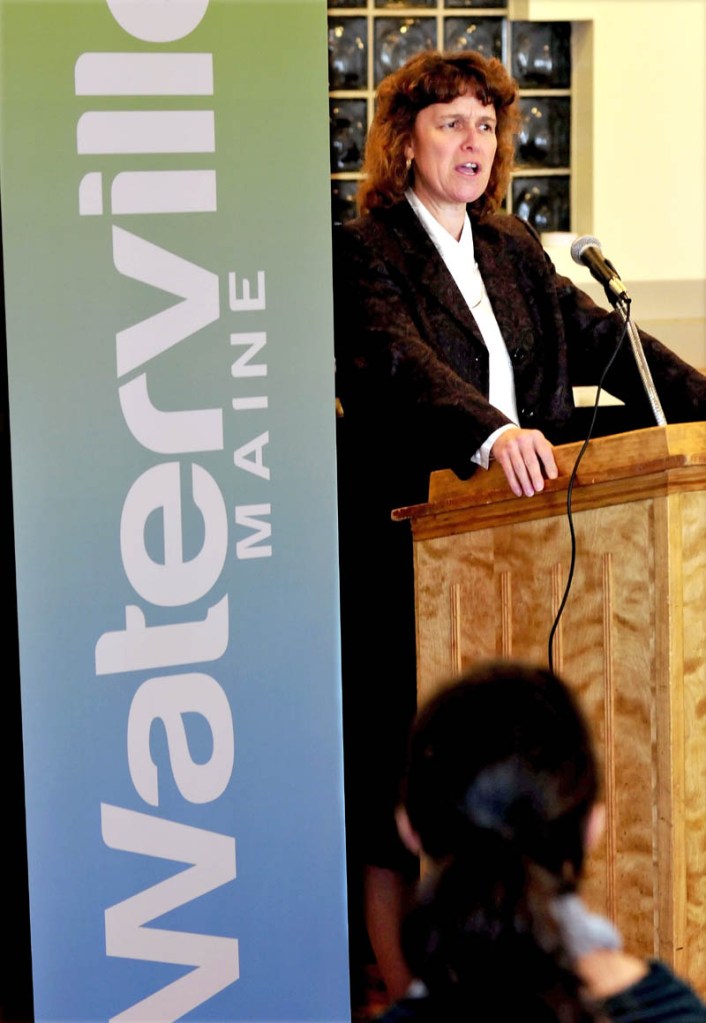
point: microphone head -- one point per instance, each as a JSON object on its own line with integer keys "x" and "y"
{"x": 580, "y": 245}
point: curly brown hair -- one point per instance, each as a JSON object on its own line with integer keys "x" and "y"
{"x": 427, "y": 78}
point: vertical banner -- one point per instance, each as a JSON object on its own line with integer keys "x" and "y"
{"x": 164, "y": 175}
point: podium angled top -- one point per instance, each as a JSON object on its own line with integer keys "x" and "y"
{"x": 613, "y": 469}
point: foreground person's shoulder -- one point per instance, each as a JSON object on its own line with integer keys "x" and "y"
{"x": 653, "y": 994}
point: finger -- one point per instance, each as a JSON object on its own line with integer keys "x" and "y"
{"x": 533, "y": 469}
{"x": 515, "y": 485}
{"x": 516, "y": 472}
{"x": 528, "y": 472}
{"x": 501, "y": 454}
{"x": 545, "y": 452}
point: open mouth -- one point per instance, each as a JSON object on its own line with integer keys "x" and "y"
{"x": 470, "y": 166}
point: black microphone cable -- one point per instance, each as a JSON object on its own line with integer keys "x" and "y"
{"x": 572, "y": 480}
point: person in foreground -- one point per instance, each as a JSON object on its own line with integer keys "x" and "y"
{"x": 500, "y": 795}
{"x": 457, "y": 343}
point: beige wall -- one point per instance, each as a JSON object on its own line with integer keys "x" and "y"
{"x": 639, "y": 147}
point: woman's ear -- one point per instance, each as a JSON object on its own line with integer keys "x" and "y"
{"x": 407, "y": 833}
{"x": 595, "y": 825}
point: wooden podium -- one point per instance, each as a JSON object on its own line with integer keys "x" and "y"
{"x": 490, "y": 572}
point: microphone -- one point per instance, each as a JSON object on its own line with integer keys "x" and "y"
{"x": 587, "y": 252}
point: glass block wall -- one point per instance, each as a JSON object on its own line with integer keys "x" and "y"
{"x": 370, "y": 38}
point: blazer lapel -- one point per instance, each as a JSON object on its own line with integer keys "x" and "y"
{"x": 424, "y": 264}
{"x": 501, "y": 279}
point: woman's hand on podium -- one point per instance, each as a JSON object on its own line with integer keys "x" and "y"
{"x": 526, "y": 458}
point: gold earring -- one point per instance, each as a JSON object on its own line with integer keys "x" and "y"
{"x": 409, "y": 163}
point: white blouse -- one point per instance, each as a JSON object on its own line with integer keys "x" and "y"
{"x": 459, "y": 259}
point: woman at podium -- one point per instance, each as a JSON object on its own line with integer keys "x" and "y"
{"x": 457, "y": 343}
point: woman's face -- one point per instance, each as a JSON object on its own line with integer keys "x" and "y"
{"x": 453, "y": 147}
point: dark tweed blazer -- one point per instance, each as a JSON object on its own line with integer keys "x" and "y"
{"x": 412, "y": 369}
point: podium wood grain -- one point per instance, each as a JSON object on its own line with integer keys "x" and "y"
{"x": 490, "y": 572}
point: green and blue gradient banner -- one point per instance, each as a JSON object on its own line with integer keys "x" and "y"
{"x": 167, "y": 273}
